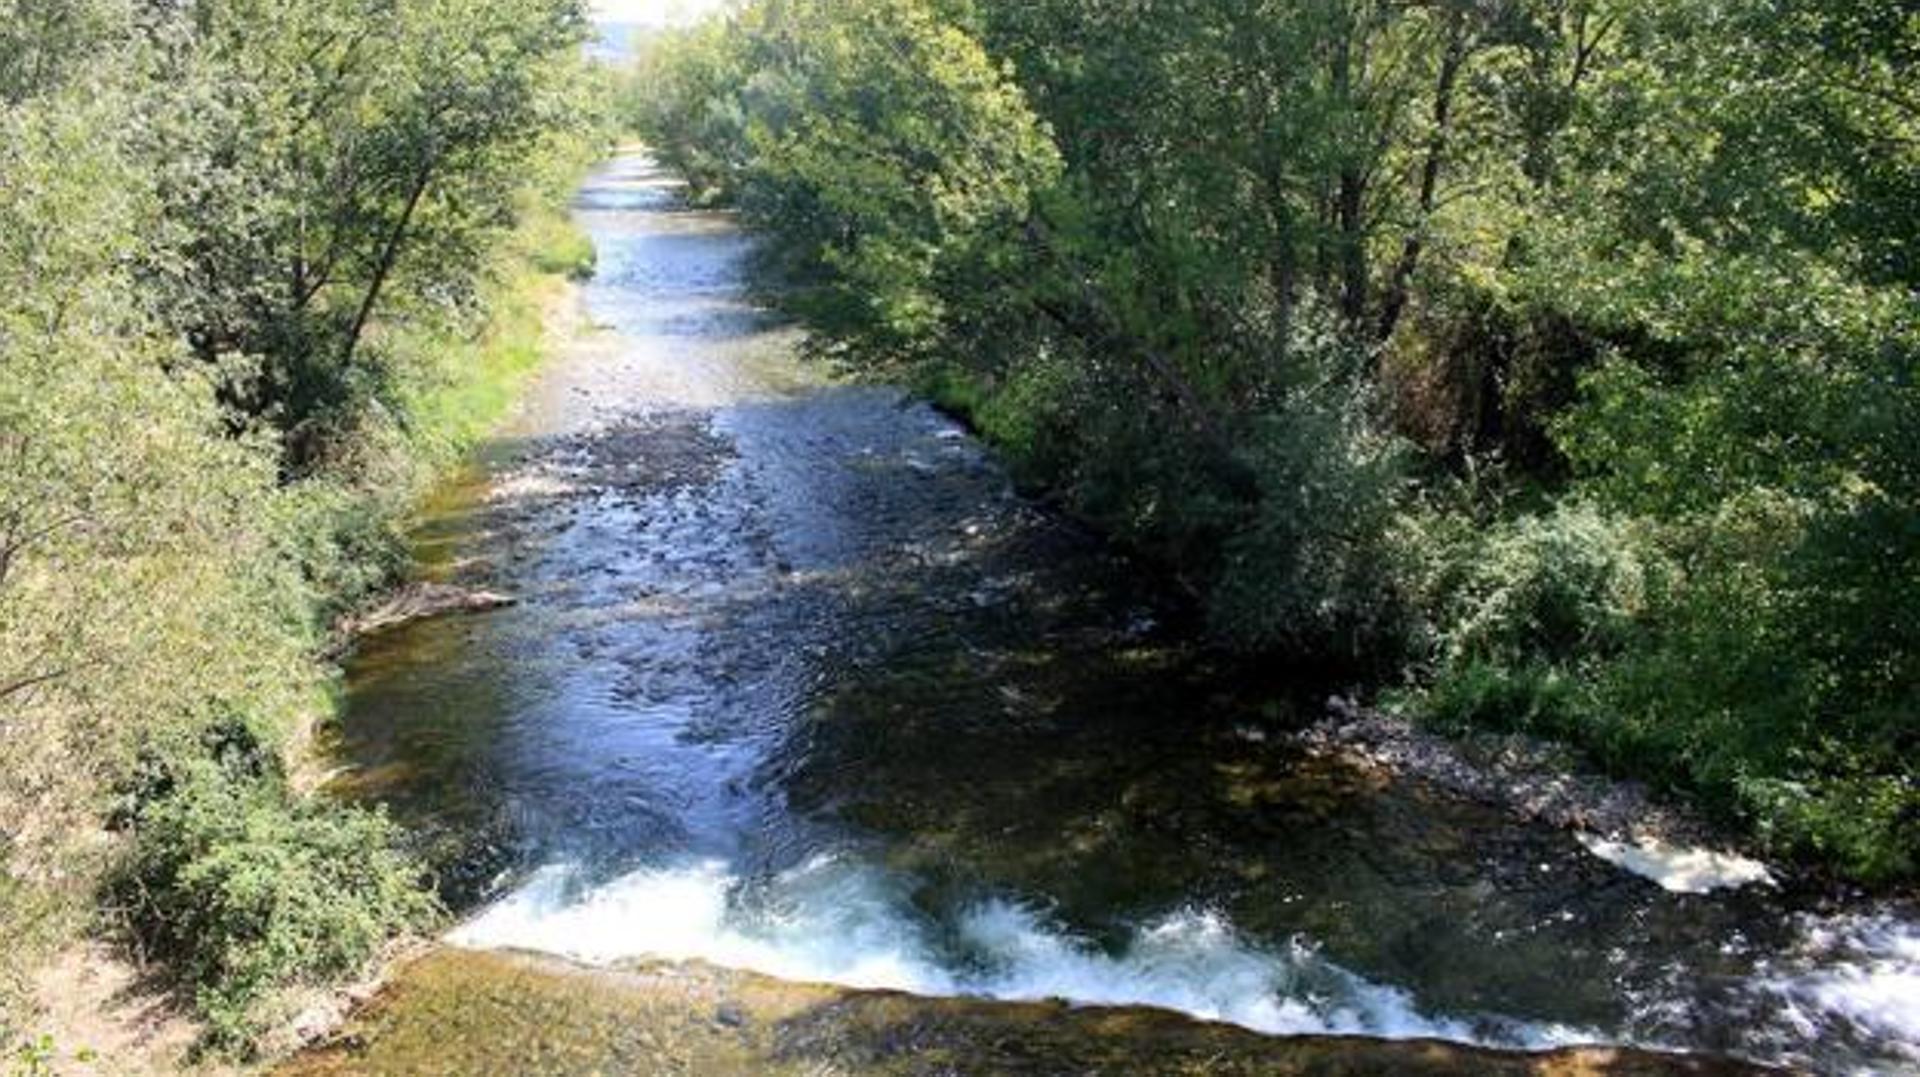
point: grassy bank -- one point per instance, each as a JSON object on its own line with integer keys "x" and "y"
{"x": 243, "y": 891}
{"x": 264, "y": 270}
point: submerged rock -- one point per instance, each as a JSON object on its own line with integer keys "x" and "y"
{"x": 457, "y": 1012}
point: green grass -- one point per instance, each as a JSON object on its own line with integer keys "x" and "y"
{"x": 473, "y": 378}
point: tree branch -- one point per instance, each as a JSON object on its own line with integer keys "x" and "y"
{"x": 389, "y": 254}
{"x": 1394, "y": 303}
{"x": 7, "y": 691}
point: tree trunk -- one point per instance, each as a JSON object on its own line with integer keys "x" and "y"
{"x": 389, "y": 255}
{"x": 1349, "y": 200}
{"x": 1394, "y": 301}
{"x": 1349, "y": 211}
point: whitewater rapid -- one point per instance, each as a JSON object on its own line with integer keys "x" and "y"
{"x": 833, "y": 920}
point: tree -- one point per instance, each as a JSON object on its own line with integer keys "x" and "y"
{"x": 324, "y": 161}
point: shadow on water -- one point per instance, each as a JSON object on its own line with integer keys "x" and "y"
{"x": 797, "y": 683}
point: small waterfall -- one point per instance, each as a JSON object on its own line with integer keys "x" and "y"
{"x": 834, "y": 920}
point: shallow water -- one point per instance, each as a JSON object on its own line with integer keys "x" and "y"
{"x": 800, "y": 685}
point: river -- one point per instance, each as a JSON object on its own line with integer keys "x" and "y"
{"x": 797, "y": 683}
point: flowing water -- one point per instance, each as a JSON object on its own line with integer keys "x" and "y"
{"x": 798, "y": 684}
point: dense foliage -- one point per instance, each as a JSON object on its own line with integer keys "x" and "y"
{"x": 261, "y": 264}
{"x": 1552, "y": 359}
{"x": 246, "y": 889}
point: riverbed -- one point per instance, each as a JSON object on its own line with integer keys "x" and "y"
{"x": 796, "y": 683}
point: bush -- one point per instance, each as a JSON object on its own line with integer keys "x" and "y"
{"x": 247, "y": 889}
{"x": 1515, "y": 614}
{"x": 556, "y": 246}
{"x": 1309, "y": 569}
{"x": 1564, "y": 585}
{"x": 1533, "y": 697}
{"x": 1705, "y": 657}
{"x": 1869, "y": 826}
{"x": 343, "y": 543}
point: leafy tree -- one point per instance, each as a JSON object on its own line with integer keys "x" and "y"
{"x": 327, "y": 161}
{"x": 1747, "y": 257}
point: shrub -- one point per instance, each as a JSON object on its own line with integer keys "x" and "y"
{"x": 1867, "y": 825}
{"x": 1752, "y": 688}
{"x": 1532, "y": 697}
{"x": 1710, "y": 657}
{"x": 343, "y": 543}
{"x": 1563, "y": 585}
{"x": 555, "y": 246}
{"x": 1309, "y": 569}
{"x": 247, "y": 889}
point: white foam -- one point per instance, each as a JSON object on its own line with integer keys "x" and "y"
{"x": 833, "y": 921}
{"x": 1679, "y": 869}
{"x": 1191, "y": 961}
{"x": 845, "y": 934}
{"x": 1864, "y": 970}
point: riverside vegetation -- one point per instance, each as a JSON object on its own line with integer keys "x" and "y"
{"x": 1549, "y": 365}
{"x": 264, "y": 266}
{"x": 1546, "y": 364}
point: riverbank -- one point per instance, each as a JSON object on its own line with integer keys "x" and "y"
{"x": 1647, "y": 493}
{"x": 1534, "y": 741}
{"x": 266, "y": 272}
{"x": 1542, "y": 782}
{"x": 89, "y": 1002}
{"x": 1531, "y": 777}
